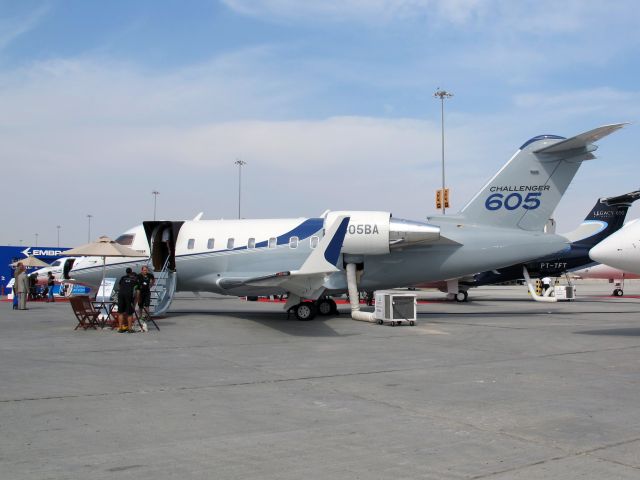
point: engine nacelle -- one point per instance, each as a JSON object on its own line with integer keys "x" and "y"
{"x": 376, "y": 233}
{"x": 367, "y": 232}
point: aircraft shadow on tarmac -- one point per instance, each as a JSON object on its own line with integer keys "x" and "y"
{"x": 623, "y": 332}
{"x": 276, "y": 320}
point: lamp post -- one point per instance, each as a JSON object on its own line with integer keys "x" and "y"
{"x": 240, "y": 163}
{"x": 58, "y": 227}
{"x": 89, "y": 216}
{"x": 442, "y": 95}
{"x": 155, "y": 194}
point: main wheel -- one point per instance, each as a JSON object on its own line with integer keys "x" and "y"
{"x": 305, "y": 311}
{"x": 618, "y": 292}
{"x": 326, "y": 306}
{"x": 462, "y": 296}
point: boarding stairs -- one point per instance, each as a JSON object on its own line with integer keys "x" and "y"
{"x": 162, "y": 291}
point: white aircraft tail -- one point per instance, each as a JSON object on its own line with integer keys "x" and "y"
{"x": 527, "y": 189}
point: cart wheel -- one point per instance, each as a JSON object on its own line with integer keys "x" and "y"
{"x": 393, "y": 324}
{"x": 412, "y": 323}
{"x": 380, "y": 322}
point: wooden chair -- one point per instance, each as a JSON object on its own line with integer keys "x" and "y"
{"x": 85, "y": 313}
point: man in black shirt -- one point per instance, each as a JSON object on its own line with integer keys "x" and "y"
{"x": 126, "y": 287}
{"x": 145, "y": 282}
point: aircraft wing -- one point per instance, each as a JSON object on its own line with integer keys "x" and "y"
{"x": 308, "y": 280}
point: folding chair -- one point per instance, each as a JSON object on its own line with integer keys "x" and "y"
{"x": 85, "y": 313}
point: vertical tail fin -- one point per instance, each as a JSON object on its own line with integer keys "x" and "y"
{"x": 527, "y": 189}
{"x": 606, "y": 217}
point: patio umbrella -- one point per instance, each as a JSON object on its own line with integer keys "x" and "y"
{"x": 103, "y": 247}
{"x": 30, "y": 261}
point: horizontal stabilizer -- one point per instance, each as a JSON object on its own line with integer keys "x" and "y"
{"x": 582, "y": 140}
{"x": 622, "y": 199}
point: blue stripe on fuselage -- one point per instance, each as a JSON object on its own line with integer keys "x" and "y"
{"x": 302, "y": 231}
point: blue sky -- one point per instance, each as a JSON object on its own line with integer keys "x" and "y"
{"x": 329, "y": 102}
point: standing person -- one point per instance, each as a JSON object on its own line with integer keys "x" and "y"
{"x": 126, "y": 287}
{"x": 22, "y": 287}
{"x": 51, "y": 282}
{"x": 146, "y": 280}
{"x": 16, "y": 295}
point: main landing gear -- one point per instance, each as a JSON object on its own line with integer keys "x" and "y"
{"x": 462, "y": 296}
{"x": 308, "y": 310}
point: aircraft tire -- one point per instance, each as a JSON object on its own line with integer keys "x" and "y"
{"x": 618, "y": 292}
{"x": 305, "y": 311}
{"x": 326, "y": 306}
{"x": 462, "y": 296}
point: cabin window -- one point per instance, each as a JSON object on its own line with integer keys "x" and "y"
{"x": 293, "y": 242}
{"x": 272, "y": 242}
{"x": 314, "y": 241}
{"x": 191, "y": 243}
{"x": 230, "y": 243}
{"x": 126, "y": 239}
{"x": 251, "y": 243}
{"x": 211, "y": 243}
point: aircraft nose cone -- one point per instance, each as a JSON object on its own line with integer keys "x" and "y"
{"x": 605, "y": 252}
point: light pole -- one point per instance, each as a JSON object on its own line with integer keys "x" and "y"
{"x": 155, "y": 194}
{"x": 58, "y": 227}
{"x": 240, "y": 163}
{"x": 442, "y": 95}
{"x": 36, "y": 239}
{"x": 89, "y": 216}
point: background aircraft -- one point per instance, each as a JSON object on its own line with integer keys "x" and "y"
{"x": 60, "y": 269}
{"x": 621, "y": 250}
{"x": 310, "y": 258}
{"x": 605, "y": 218}
{"x": 614, "y": 275}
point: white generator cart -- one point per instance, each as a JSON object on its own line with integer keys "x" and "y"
{"x": 564, "y": 293}
{"x": 395, "y": 308}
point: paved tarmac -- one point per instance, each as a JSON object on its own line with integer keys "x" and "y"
{"x": 497, "y": 388}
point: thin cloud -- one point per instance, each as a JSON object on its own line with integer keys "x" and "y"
{"x": 361, "y": 11}
{"x": 14, "y": 27}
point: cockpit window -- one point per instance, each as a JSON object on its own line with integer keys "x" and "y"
{"x": 126, "y": 239}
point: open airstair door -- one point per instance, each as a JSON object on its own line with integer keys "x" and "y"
{"x": 161, "y": 236}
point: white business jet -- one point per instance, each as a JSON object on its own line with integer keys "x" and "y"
{"x": 309, "y": 259}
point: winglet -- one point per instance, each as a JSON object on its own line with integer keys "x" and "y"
{"x": 325, "y": 257}
{"x": 582, "y": 140}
